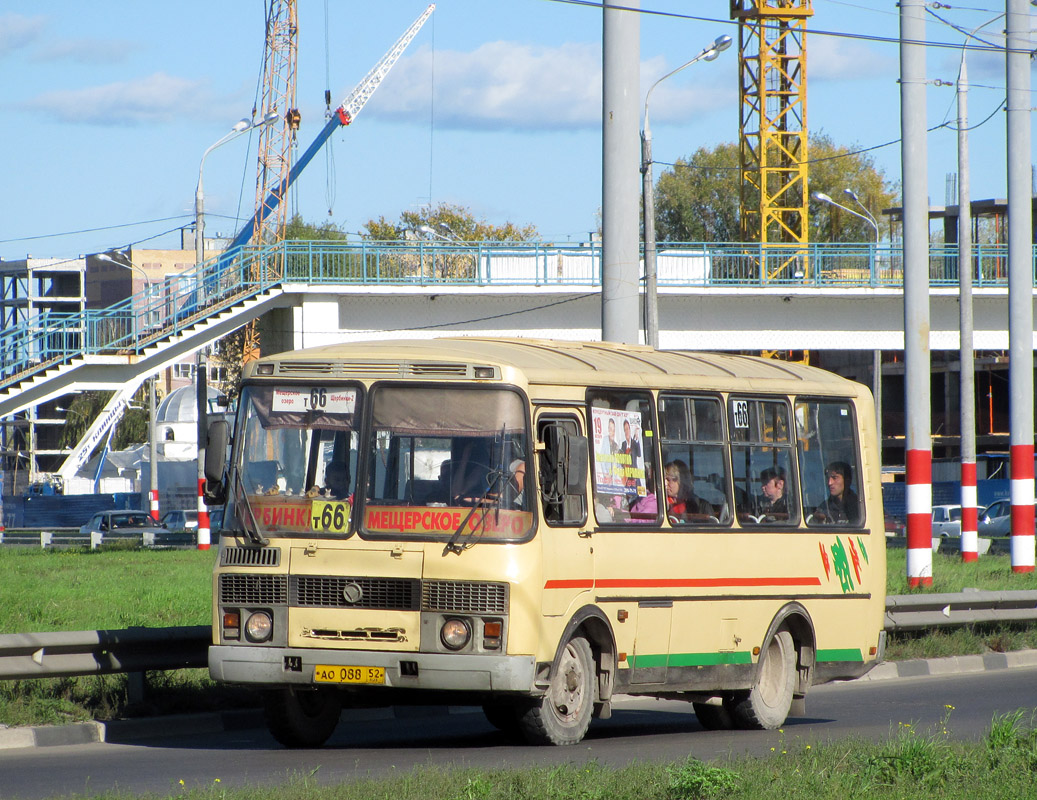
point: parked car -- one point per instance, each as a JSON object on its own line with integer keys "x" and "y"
{"x": 216, "y": 521}
{"x": 947, "y": 521}
{"x": 122, "y": 522}
{"x": 182, "y": 520}
{"x": 996, "y": 519}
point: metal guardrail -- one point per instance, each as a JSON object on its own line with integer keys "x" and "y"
{"x": 67, "y": 654}
{"x": 60, "y": 538}
{"x": 915, "y": 612}
{"x": 53, "y": 655}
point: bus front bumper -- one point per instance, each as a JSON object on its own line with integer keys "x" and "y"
{"x": 276, "y": 666}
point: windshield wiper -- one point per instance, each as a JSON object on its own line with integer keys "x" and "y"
{"x": 453, "y": 546}
{"x": 252, "y": 532}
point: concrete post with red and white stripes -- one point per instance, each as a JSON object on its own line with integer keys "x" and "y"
{"x": 969, "y": 511}
{"x": 201, "y": 379}
{"x": 1020, "y": 280}
{"x": 916, "y": 294}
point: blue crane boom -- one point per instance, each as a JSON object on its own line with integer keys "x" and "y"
{"x": 342, "y": 116}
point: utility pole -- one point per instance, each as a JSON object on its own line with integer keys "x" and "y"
{"x": 919, "y": 455}
{"x": 620, "y": 172}
{"x": 1020, "y": 282}
{"x": 966, "y": 359}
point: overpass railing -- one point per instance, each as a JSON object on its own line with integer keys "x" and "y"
{"x": 164, "y": 309}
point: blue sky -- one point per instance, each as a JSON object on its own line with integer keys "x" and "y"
{"x": 495, "y": 107}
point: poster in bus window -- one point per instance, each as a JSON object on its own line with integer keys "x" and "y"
{"x": 619, "y": 466}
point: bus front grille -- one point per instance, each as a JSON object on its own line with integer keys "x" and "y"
{"x": 250, "y": 557}
{"x": 237, "y": 589}
{"x": 470, "y": 597}
{"x": 389, "y": 594}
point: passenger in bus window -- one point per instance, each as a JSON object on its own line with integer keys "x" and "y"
{"x": 772, "y": 485}
{"x": 841, "y": 506}
{"x": 336, "y": 480}
{"x": 680, "y": 497}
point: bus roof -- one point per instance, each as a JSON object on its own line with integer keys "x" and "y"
{"x": 550, "y": 361}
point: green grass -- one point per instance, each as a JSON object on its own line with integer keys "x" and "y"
{"x": 910, "y": 765}
{"x": 84, "y": 590}
{"x": 73, "y": 590}
{"x": 950, "y": 574}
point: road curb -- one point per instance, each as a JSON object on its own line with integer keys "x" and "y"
{"x": 127, "y": 731}
{"x": 952, "y": 665}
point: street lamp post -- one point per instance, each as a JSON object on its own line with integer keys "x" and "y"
{"x": 240, "y": 127}
{"x": 651, "y": 315}
{"x": 148, "y": 287}
{"x": 876, "y": 362}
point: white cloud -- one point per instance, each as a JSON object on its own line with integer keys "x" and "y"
{"x": 18, "y": 31}
{"x": 500, "y": 85}
{"x": 511, "y": 86}
{"x": 153, "y": 99}
{"x": 836, "y": 58}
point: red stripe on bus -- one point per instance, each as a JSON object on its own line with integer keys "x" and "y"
{"x": 676, "y": 583}
{"x": 577, "y": 583}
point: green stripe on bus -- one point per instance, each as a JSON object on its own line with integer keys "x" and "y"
{"x": 846, "y": 654}
{"x": 689, "y": 659}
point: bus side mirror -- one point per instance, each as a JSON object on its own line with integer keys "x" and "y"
{"x": 573, "y": 463}
{"x": 216, "y": 461}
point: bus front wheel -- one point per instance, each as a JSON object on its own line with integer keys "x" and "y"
{"x": 302, "y": 717}
{"x": 563, "y": 714}
{"x": 770, "y": 698}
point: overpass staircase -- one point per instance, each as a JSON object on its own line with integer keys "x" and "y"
{"x": 122, "y": 345}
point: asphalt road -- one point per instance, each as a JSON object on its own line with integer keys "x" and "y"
{"x": 646, "y": 730}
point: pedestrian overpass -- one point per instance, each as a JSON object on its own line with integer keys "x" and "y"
{"x": 711, "y": 296}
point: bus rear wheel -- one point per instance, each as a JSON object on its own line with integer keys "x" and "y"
{"x": 503, "y": 716}
{"x": 770, "y": 698}
{"x": 714, "y": 717}
{"x": 563, "y": 714}
{"x": 302, "y": 717}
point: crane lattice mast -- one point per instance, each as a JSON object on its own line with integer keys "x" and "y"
{"x": 773, "y": 123}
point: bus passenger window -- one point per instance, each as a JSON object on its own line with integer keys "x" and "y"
{"x": 694, "y": 463}
{"x": 623, "y": 447}
{"x": 828, "y": 462}
{"x": 761, "y": 462}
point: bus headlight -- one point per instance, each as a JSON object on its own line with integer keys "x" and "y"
{"x": 455, "y": 633}
{"x": 259, "y": 626}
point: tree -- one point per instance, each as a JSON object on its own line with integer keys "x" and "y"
{"x": 299, "y": 230}
{"x": 449, "y": 222}
{"x": 697, "y": 200}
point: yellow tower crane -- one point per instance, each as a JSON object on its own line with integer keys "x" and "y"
{"x": 772, "y": 64}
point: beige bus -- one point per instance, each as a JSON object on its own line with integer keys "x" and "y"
{"x": 536, "y": 527}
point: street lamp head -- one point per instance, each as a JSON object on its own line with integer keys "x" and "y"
{"x": 241, "y": 125}
{"x": 821, "y": 197}
{"x": 271, "y": 117}
{"x": 852, "y": 194}
{"x": 721, "y": 43}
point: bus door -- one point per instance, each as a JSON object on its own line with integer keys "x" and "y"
{"x": 565, "y": 535}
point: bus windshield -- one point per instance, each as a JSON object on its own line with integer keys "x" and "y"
{"x": 298, "y": 458}
{"x": 434, "y": 454}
